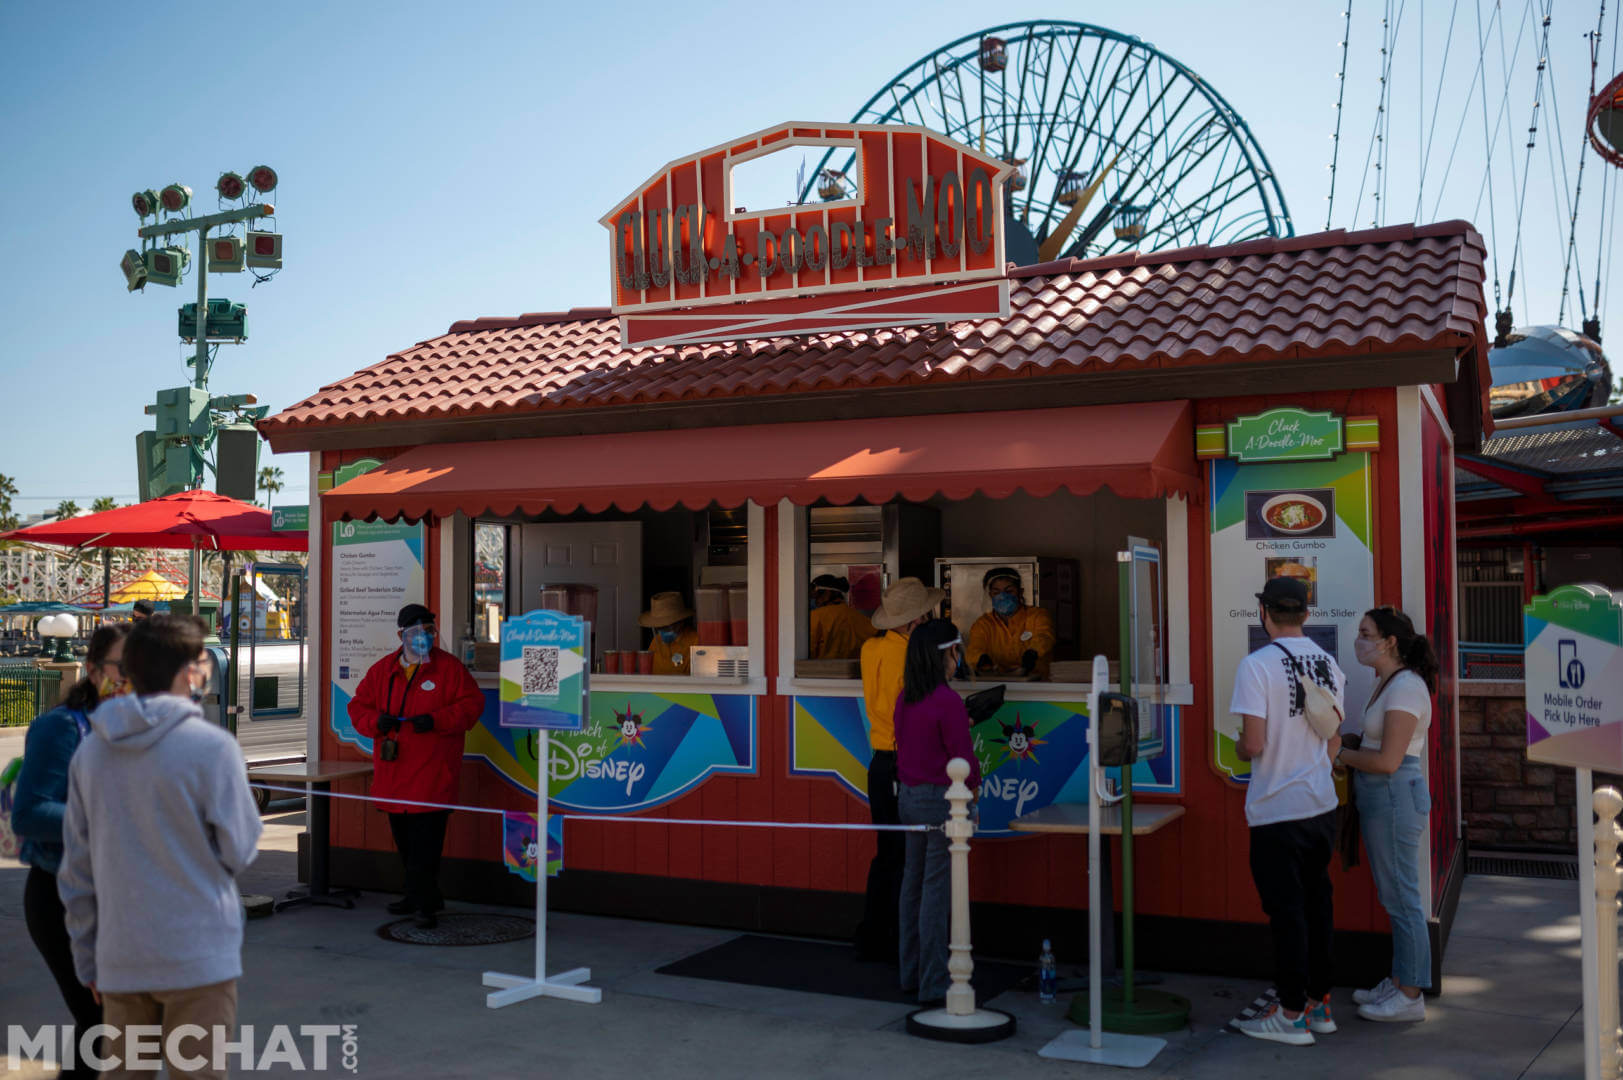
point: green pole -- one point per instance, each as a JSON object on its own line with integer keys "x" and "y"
{"x": 230, "y": 689}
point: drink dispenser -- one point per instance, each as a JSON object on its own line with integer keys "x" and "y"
{"x": 738, "y": 613}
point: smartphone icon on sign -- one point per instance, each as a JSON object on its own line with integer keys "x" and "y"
{"x": 1569, "y": 669}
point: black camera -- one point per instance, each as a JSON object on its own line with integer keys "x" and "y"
{"x": 391, "y": 750}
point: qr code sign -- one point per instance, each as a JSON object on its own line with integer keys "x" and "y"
{"x": 541, "y": 669}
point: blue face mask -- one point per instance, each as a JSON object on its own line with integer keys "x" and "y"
{"x": 1005, "y": 604}
{"x": 668, "y": 635}
{"x": 418, "y": 641}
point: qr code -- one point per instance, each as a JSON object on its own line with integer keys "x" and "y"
{"x": 540, "y": 669}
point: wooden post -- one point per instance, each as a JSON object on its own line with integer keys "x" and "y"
{"x": 958, "y": 1020}
{"x": 1607, "y": 804}
{"x": 960, "y": 995}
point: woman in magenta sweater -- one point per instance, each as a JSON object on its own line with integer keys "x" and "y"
{"x": 932, "y": 728}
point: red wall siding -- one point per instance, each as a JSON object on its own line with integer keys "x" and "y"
{"x": 1195, "y": 868}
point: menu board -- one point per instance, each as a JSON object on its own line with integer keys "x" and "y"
{"x": 377, "y": 569}
{"x": 1287, "y": 500}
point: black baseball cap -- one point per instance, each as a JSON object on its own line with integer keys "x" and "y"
{"x": 832, "y": 582}
{"x": 1001, "y": 572}
{"x": 413, "y": 615}
{"x": 1284, "y": 594}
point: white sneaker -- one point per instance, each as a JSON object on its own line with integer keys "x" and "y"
{"x": 1395, "y": 1008}
{"x": 1274, "y": 1026}
{"x": 1375, "y": 993}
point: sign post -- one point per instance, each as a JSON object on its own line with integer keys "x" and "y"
{"x": 544, "y": 671}
{"x": 1574, "y": 688}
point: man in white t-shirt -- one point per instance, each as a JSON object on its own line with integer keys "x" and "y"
{"x": 1290, "y": 805}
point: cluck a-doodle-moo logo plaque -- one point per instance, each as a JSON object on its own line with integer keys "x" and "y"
{"x": 913, "y": 233}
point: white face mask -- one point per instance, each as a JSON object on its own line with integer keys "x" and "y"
{"x": 1367, "y": 650}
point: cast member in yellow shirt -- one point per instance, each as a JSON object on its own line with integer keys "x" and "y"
{"x": 674, "y": 636}
{"x": 906, "y": 604}
{"x": 837, "y": 629}
{"x": 1014, "y": 638}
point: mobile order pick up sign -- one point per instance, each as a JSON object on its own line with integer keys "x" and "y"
{"x": 1574, "y": 660}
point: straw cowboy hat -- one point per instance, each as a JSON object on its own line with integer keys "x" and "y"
{"x": 905, "y": 601}
{"x": 664, "y": 609}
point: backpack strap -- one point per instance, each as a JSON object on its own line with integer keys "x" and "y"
{"x": 82, "y": 722}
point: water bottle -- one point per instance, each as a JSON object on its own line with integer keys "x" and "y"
{"x": 1047, "y": 976}
{"x": 467, "y": 647}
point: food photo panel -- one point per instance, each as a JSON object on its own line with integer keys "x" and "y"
{"x": 1279, "y": 515}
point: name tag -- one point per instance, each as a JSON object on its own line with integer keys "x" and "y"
{"x": 430, "y": 684}
{"x": 677, "y": 659}
{"x": 1026, "y": 636}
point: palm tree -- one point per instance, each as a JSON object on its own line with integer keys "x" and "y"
{"x": 65, "y": 509}
{"x": 106, "y": 502}
{"x": 8, "y": 488}
{"x": 270, "y": 482}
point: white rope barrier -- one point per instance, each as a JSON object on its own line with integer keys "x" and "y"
{"x": 826, "y": 825}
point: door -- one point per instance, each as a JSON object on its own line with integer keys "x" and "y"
{"x": 605, "y": 554}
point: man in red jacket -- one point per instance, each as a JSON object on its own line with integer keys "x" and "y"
{"x": 416, "y": 704}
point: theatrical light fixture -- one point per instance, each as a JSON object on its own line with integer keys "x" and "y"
{"x": 165, "y": 266}
{"x": 145, "y": 203}
{"x": 225, "y": 255}
{"x": 230, "y": 186}
{"x": 263, "y": 178}
{"x": 264, "y": 250}
{"x": 175, "y": 198}
{"x": 135, "y": 269}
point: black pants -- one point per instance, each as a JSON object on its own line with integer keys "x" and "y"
{"x": 876, "y": 937}
{"x": 1290, "y": 863}
{"x": 42, "y": 911}
{"x": 420, "y": 838}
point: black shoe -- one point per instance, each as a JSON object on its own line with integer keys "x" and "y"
{"x": 427, "y": 921}
{"x": 404, "y": 906}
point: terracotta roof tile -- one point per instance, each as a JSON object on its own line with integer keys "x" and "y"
{"x": 1383, "y": 290}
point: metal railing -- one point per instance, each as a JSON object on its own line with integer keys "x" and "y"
{"x": 26, "y": 691}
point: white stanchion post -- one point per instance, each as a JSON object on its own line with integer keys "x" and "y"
{"x": 1607, "y": 804}
{"x": 960, "y": 964}
{"x": 1101, "y": 1047}
{"x": 959, "y": 1020}
{"x": 515, "y": 988}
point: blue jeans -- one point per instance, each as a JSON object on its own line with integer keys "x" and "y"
{"x": 1392, "y": 811}
{"x": 926, "y": 904}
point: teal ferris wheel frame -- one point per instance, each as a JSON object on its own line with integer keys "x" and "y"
{"x": 1072, "y": 99}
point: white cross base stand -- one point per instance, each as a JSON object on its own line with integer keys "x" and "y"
{"x": 1098, "y": 1046}
{"x": 513, "y": 988}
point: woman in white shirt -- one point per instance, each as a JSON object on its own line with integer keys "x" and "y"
{"x": 1393, "y": 801}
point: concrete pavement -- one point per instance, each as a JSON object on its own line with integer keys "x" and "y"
{"x": 1510, "y": 1006}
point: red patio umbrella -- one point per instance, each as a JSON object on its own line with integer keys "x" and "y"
{"x": 188, "y": 519}
{"x": 197, "y": 520}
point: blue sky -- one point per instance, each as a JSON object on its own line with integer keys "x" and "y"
{"x": 445, "y": 162}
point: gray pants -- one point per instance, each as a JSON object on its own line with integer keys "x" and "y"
{"x": 926, "y": 904}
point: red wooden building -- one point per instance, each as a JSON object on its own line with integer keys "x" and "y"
{"x": 1161, "y": 399}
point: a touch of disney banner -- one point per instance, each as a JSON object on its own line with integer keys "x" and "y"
{"x": 1032, "y": 754}
{"x": 635, "y": 750}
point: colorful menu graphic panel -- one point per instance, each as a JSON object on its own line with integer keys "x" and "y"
{"x": 1032, "y": 754}
{"x": 1283, "y": 513}
{"x": 634, "y": 750}
{"x": 377, "y": 570}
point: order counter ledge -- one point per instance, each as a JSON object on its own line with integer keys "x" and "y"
{"x": 653, "y": 684}
{"x": 1182, "y": 694}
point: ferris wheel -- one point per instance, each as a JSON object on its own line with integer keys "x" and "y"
{"x": 1116, "y": 145}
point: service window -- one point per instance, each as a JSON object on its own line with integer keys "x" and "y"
{"x": 1021, "y": 575}
{"x": 667, "y": 591}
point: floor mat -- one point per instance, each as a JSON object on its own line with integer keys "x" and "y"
{"x": 821, "y": 967}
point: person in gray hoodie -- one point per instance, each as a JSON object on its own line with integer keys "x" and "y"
{"x": 159, "y": 822}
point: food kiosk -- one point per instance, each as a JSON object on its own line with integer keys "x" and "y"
{"x": 1282, "y": 406}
